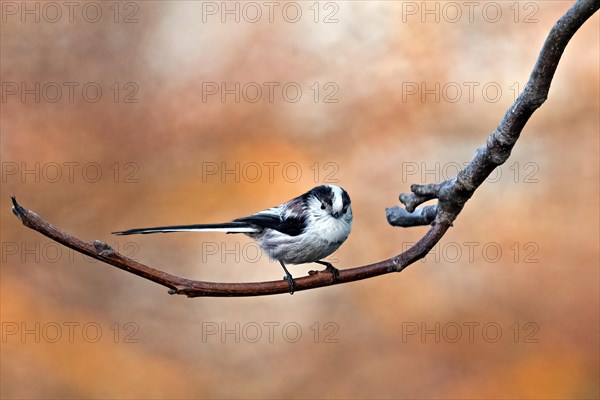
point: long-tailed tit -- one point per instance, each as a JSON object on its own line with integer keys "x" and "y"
{"x": 303, "y": 230}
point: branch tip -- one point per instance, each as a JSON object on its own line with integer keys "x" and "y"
{"x": 16, "y": 208}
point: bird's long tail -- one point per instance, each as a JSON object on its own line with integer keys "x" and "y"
{"x": 227, "y": 227}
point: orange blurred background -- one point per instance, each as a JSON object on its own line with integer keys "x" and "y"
{"x": 134, "y": 114}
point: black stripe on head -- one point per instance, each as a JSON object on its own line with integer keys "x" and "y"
{"x": 323, "y": 193}
{"x": 345, "y": 198}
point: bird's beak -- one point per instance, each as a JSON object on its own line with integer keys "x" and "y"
{"x": 336, "y": 214}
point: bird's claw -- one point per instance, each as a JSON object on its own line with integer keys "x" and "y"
{"x": 334, "y": 271}
{"x": 291, "y": 282}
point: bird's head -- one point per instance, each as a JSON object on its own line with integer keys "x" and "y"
{"x": 331, "y": 200}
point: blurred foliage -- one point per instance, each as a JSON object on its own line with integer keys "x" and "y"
{"x": 523, "y": 256}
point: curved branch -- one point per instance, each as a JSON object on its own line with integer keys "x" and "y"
{"x": 451, "y": 194}
{"x": 177, "y": 285}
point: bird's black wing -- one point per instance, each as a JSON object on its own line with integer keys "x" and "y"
{"x": 292, "y": 225}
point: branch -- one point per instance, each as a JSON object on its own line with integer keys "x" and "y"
{"x": 177, "y": 285}
{"x": 451, "y": 194}
{"x": 398, "y": 216}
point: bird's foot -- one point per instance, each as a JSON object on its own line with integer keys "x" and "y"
{"x": 288, "y": 277}
{"x": 334, "y": 271}
{"x": 291, "y": 282}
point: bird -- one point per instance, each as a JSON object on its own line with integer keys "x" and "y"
{"x": 302, "y": 230}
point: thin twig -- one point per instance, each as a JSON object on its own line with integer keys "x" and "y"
{"x": 398, "y": 216}
{"x": 453, "y": 193}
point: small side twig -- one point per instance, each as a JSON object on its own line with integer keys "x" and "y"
{"x": 398, "y": 216}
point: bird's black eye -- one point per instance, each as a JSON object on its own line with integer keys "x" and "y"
{"x": 322, "y": 206}
{"x": 344, "y": 210}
